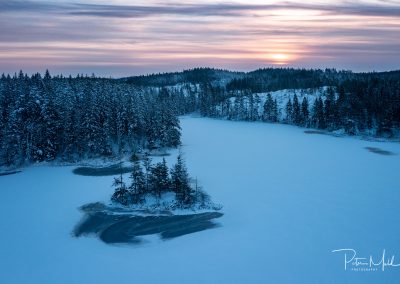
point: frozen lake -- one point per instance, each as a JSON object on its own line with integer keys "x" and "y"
{"x": 289, "y": 199}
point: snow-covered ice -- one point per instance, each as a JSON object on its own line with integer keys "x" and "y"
{"x": 289, "y": 199}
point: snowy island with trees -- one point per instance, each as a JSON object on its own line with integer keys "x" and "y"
{"x": 155, "y": 186}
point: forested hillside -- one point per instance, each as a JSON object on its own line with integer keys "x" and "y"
{"x": 356, "y": 103}
{"x": 43, "y": 118}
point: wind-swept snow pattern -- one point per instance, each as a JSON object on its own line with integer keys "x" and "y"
{"x": 129, "y": 226}
{"x": 289, "y": 198}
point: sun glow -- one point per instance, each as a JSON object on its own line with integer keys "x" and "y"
{"x": 279, "y": 58}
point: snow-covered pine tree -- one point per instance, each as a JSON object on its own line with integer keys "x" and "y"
{"x": 121, "y": 193}
{"x": 305, "y": 113}
{"x": 296, "y": 111}
{"x": 159, "y": 179}
{"x": 268, "y": 109}
{"x": 147, "y": 173}
{"x": 275, "y": 111}
{"x": 318, "y": 116}
{"x": 180, "y": 182}
{"x": 289, "y": 111}
{"x": 138, "y": 183}
{"x": 250, "y": 107}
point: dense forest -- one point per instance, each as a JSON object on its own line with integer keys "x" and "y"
{"x": 357, "y": 103}
{"x": 363, "y": 103}
{"x": 43, "y": 118}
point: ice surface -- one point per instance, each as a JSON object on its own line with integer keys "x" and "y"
{"x": 289, "y": 199}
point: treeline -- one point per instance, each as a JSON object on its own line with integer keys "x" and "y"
{"x": 192, "y": 76}
{"x": 365, "y": 103}
{"x": 357, "y": 103}
{"x": 44, "y": 118}
{"x": 154, "y": 180}
{"x": 273, "y": 79}
{"x": 261, "y": 80}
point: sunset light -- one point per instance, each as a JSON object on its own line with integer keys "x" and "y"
{"x": 279, "y": 58}
{"x": 125, "y": 37}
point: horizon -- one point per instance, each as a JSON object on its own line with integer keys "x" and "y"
{"x": 42, "y": 73}
{"x": 119, "y": 39}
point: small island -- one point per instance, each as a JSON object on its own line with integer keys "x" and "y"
{"x": 158, "y": 201}
{"x": 158, "y": 187}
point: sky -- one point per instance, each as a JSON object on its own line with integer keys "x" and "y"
{"x": 120, "y": 38}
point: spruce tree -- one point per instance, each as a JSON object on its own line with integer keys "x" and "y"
{"x": 275, "y": 111}
{"x": 296, "y": 111}
{"x": 318, "y": 114}
{"x": 138, "y": 183}
{"x": 289, "y": 111}
{"x": 180, "y": 182}
{"x": 147, "y": 173}
{"x": 121, "y": 194}
{"x": 305, "y": 113}
{"x": 268, "y": 109}
{"x": 160, "y": 181}
{"x": 250, "y": 107}
{"x": 256, "y": 107}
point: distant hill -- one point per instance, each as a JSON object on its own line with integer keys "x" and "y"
{"x": 260, "y": 80}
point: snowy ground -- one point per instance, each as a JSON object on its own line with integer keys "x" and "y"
{"x": 289, "y": 199}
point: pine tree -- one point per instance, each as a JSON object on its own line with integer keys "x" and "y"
{"x": 250, "y": 107}
{"x": 305, "y": 113}
{"x": 180, "y": 182}
{"x": 289, "y": 111}
{"x": 256, "y": 107}
{"x": 242, "y": 109}
{"x": 318, "y": 114}
{"x": 121, "y": 194}
{"x": 236, "y": 108}
{"x": 138, "y": 183}
{"x": 275, "y": 111}
{"x": 147, "y": 173}
{"x": 47, "y": 76}
{"x": 268, "y": 114}
{"x": 296, "y": 111}
{"x": 159, "y": 179}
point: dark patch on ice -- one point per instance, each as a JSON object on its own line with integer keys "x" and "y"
{"x": 115, "y": 225}
{"x": 9, "y": 173}
{"x": 314, "y": 132}
{"x": 380, "y": 151}
{"x": 102, "y": 171}
{"x": 321, "y": 132}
